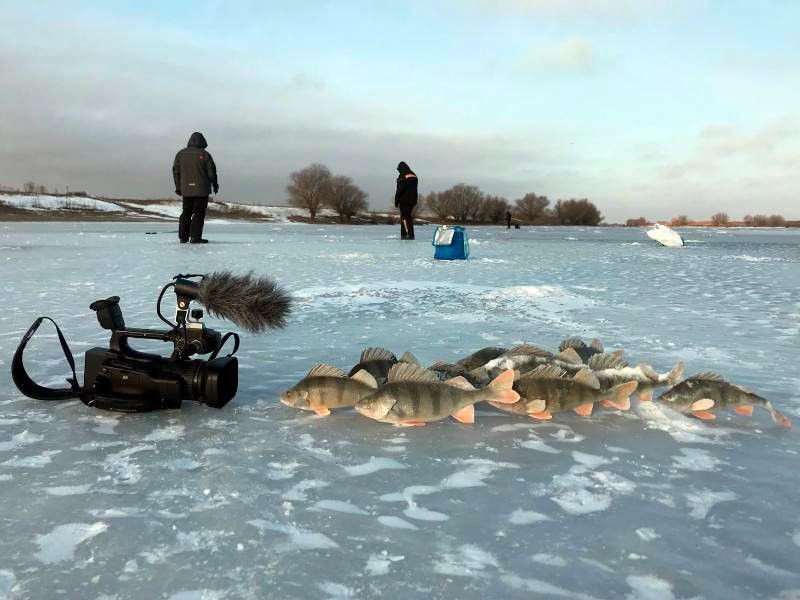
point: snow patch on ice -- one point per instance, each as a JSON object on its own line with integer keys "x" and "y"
{"x": 703, "y": 501}
{"x": 526, "y": 517}
{"x": 694, "y": 459}
{"x": 204, "y": 594}
{"x": 541, "y": 589}
{"x": 338, "y": 506}
{"x": 467, "y": 561}
{"x": 32, "y": 462}
{"x": 297, "y": 492}
{"x": 67, "y": 490}
{"x": 336, "y": 591}
{"x": 24, "y": 438}
{"x": 123, "y": 469}
{"x": 162, "y": 434}
{"x": 372, "y": 465}
{"x": 395, "y": 522}
{"x": 61, "y": 543}
{"x": 649, "y": 587}
{"x": 539, "y": 446}
{"x": 550, "y": 560}
{"x": 646, "y": 534}
{"x": 796, "y": 538}
{"x": 299, "y": 539}
{"x": 378, "y": 564}
{"x": 581, "y": 491}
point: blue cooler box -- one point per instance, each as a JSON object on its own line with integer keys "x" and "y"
{"x": 450, "y": 243}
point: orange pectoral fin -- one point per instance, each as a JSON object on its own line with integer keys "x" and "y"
{"x": 607, "y": 404}
{"x": 542, "y": 416}
{"x": 704, "y": 415}
{"x": 322, "y": 411}
{"x": 411, "y": 424}
{"x": 747, "y": 411}
{"x": 585, "y": 410}
{"x": 647, "y": 397}
{"x": 465, "y": 415}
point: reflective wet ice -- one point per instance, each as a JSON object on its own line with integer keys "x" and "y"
{"x": 259, "y": 499}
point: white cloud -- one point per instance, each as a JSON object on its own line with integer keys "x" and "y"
{"x": 572, "y": 54}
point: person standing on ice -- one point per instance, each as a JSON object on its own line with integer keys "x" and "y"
{"x": 405, "y": 198}
{"x": 195, "y": 177}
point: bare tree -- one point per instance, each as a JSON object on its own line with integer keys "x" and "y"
{"x": 760, "y": 221}
{"x": 748, "y": 220}
{"x": 346, "y": 198}
{"x": 463, "y": 201}
{"x": 439, "y": 205}
{"x": 777, "y": 221}
{"x": 720, "y": 219}
{"x": 533, "y": 209}
{"x": 680, "y": 221}
{"x": 29, "y": 187}
{"x": 42, "y": 189}
{"x": 310, "y": 188}
{"x": 576, "y": 212}
{"x": 492, "y": 209}
{"x": 640, "y": 222}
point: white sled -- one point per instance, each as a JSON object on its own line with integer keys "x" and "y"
{"x": 665, "y": 236}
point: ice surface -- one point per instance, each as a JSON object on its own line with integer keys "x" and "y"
{"x": 259, "y": 500}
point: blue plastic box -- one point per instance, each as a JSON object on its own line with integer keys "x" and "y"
{"x": 450, "y": 243}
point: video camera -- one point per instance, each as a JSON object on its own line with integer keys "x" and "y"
{"x": 121, "y": 378}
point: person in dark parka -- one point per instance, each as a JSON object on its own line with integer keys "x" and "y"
{"x": 195, "y": 177}
{"x": 405, "y": 198}
{"x": 508, "y": 219}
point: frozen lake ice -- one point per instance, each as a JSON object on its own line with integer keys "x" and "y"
{"x": 259, "y": 500}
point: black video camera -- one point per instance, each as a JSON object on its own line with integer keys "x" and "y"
{"x": 123, "y": 379}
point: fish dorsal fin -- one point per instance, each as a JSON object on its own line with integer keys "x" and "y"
{"x": 571, "y": 342}
{"x": 569, "y": 355}
{"x": 619, "y": 353}
{"x": 323, "y": 370}
{"x": 409, "y": 372}
{"x": 439, "y": 364}
{"x": 707, "y": 376}
{"x": 377, "y": 354}
{"x": 586, "y": 377}
{"x": 597, "y": 345}
{"x": 606, "y": 360}
{"x": 528, "y": 349}
{"x": 546, "y": 372}
{"x": 460, "y": 383}
{"x": 365, "y": 378}
{"x": 409, "y": 358}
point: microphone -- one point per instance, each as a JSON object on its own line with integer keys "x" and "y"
{"x": 253, "y": 303}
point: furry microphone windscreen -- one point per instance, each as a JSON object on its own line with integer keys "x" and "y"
{"x": 253, "y": 303}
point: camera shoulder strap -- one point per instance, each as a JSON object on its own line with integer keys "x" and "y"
{"x": 27, "y": 386}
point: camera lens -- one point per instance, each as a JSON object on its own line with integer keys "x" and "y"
{"x": 219, "y": 380}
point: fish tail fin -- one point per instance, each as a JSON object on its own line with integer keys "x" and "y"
{"x": 778, "y": 416}
{"x": 676, "y": 374}
{"x": 501, "y": 388}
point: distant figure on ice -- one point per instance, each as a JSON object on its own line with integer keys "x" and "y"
{"x": 195, "y": 176}
{"x": 405, "y": 198}
{"x": 508, "y": 219}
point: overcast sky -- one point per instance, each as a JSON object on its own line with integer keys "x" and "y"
{"x": 646, "y": 107}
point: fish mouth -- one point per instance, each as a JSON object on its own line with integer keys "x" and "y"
{"x": 295, "y": 400}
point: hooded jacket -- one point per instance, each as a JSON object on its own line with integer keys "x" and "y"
{"x": 406, "y": 194}
{"x": 193, "y": 170}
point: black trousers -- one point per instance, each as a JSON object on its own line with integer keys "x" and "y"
{"x": 406, "y": 223}
{"x": 192, "y": 217}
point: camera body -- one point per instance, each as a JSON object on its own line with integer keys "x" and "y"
{"x": 124, "y": 379}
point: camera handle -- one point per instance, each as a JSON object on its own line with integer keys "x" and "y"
{"x": 119, "y": 341}
{"x": 28, "y": 387}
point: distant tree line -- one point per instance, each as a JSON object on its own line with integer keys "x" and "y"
{"x": 315, "y": 187}
{"x": 720, "y": 219}
{"x": 464, "y": 203}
